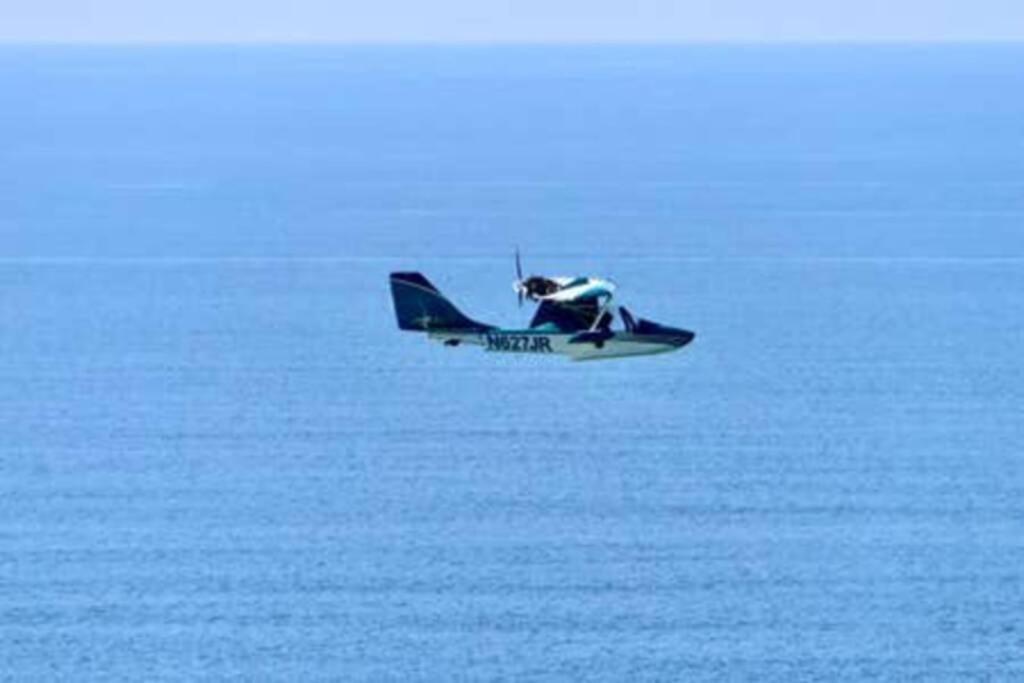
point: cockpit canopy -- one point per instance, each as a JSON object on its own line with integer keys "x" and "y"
{"x": 567, "y": 317}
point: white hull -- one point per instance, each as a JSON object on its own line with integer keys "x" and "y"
{"x": 543, "y": 343}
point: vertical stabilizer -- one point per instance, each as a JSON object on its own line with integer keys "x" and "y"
{"x": 420, "y": 307}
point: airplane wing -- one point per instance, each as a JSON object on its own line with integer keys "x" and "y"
{"x": 582, "y": 289}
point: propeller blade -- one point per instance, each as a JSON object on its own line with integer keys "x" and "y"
{"x": 520, "y": 298}
{"x": 519, "y": 266}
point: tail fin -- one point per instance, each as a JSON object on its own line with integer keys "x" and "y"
{"x": 420, "y": 307}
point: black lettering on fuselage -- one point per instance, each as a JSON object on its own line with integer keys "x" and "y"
{"x": 518, "y": 343}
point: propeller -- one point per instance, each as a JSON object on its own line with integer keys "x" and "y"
{"x": 519, "y": 278}
{"x": 533, "y": 287}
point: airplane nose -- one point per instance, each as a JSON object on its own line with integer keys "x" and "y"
{"x": 683, "y": 338}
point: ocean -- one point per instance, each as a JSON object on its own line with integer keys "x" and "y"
{"x": 220, "y": 459}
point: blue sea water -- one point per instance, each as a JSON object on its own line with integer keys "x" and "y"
{"x": 219, "y": 459}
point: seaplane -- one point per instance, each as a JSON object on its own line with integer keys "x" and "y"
{"x": 575, "y": 317}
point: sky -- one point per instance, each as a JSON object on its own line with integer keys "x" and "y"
{"x": 485, "y": 21}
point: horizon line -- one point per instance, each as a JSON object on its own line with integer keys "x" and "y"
{"x": 696, "y": 42}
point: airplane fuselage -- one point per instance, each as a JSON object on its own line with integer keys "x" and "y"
{"x": 577, "y": 325}
{"x": 616, "y": 345}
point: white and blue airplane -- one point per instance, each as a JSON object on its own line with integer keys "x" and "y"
{"x": 575, "y": 318}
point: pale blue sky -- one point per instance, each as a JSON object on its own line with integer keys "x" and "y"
{"x": 508, "y": 20}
